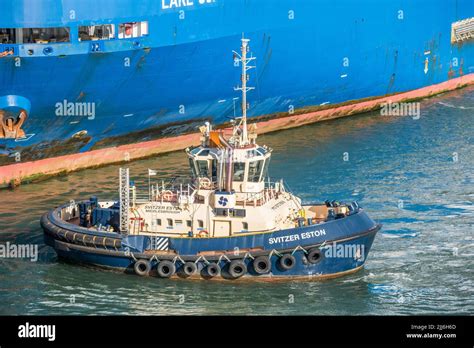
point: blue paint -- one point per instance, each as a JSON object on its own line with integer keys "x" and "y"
{"x": 326, "y": 266}
{"x": 189, "y": 62}
{"x": 12, "y": 102}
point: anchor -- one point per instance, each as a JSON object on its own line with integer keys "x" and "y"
{"x": 11, "y": 125}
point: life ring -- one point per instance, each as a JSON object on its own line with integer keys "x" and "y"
{"x": 262, "y": 264}
{"x": 213, "y": 269}
{"x": 128, "y": 29}
{"x": 203, "y": 234}
{"x": 237, "y": 269}
{"x": 167, "y": 195}
{"x": 314, "y": 255}
{"x": 166, "y": 269}
{"x": 142, "y": 267}
{"x": 287, "y": 262}
{"x": 205, "y": 183}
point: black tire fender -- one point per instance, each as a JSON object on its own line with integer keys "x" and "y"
{"x": 237, "y": 269}
{"x": 287, "y": 262}
{"x": 166, "y": 269}
{"x": 314, "y": 255}
{"x": 189, "y": 269}
{"x": 213, "y": 269}
{"x": 262, "y": 264}
{"x": 142, "y": 267}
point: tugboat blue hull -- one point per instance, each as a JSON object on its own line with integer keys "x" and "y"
{"x": 325, "y": 250}
{"x": 328, "y": 267}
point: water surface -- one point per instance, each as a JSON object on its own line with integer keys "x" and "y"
{"x": 414, "y": 176}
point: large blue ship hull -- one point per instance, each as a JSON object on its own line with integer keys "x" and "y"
{"x": 309, "y": 53}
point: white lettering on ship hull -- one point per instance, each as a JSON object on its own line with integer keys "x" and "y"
{"x": 170, "y": 4}
{"x": 295, "y": 237}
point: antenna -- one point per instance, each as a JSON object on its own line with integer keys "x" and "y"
{"x": 245, "y": 67}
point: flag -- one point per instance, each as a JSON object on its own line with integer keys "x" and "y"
{"x": 152, "y": 172}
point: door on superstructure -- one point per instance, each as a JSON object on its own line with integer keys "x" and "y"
{"x": 222, "y": 228}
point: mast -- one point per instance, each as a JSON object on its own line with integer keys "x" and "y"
{"x": 245, "y": 67}
{"x": 124, "y": 190}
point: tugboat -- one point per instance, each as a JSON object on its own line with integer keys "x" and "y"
{"x": 230, "y": 221}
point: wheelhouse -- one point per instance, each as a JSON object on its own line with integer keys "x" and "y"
{"x": 230, "y": 169}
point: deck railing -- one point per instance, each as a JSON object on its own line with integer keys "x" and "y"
{"x": 177, "y": 190}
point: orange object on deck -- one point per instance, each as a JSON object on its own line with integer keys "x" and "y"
{"x": 214, "y": 137}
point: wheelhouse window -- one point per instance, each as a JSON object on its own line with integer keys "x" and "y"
{"x": 133, "y": 29}
{"x": 214, "y": 170}
{"x": 239, "y": 171}
{"x": 265, "y": 168}
{"x": 193, "y": 168}
{"x": 97, "y": 32}
{"x": 45, "y": 35}
{"x": 203, "y": 168}
{"x": 255, "y": 169}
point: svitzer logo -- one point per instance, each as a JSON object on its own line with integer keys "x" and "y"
{"x": 37, "y": 331}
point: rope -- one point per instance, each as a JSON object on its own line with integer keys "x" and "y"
{"x": 249, "y": 255}
{"x": 299, "y": 247}
{"x": 131, "y": 254}
{"x": 274, "y": 251}
{"x": 223, "y": 256}
{"x": 177, "y": 257}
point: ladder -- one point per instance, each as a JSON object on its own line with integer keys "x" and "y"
{"x": 124, "y": 191}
